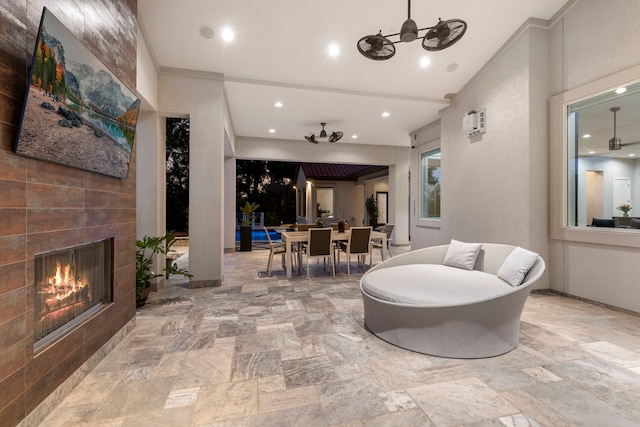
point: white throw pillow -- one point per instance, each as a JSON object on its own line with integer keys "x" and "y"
{"x": 462, "y": 255}
{"x": 517, "y": 265}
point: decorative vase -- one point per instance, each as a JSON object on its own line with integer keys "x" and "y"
{"x": 625, "y": 213}
{"x": 340, "y": 227}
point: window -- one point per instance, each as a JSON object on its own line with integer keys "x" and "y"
{"x": 430, "y": 178}
{"x": 602, "y": 159}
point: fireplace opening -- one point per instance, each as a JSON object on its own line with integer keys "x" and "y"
{"x": 70, "y": 285}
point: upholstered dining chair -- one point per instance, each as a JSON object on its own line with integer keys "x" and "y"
{"x": 377, "y": 243}
{"x": 320, "y": 246}
{"x": 359, "y": 244}
{"x": 276, "y": 248}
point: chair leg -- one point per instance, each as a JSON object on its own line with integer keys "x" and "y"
{"x": 269, "y": 263}
{"x": 348, "y": 264}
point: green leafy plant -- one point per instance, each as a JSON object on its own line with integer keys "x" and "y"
{"x": 145, "y": 250}
{"x": 249, "y": 213}
{"x": 372, "y": 209}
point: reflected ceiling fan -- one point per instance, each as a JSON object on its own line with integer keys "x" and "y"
{"x": 439, "y": 37}
{"x": 334, "y": 137}
{"x": 615, "y": 143}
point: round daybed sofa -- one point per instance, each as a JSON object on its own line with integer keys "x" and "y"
{"x": 417, "y": 303}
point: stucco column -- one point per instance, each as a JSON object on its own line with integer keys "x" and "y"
{"x": 200, "y": 96}
{"x": 398, "y": 198}
{"x": 230, "y": 204}
{"x": 151, "y": 181}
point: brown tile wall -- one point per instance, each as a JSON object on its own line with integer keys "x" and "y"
{"x": 45, "y": 206}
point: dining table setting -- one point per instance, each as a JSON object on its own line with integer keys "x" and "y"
{"x": 291, "y": 238}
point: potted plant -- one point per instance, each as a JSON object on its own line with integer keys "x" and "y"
{"x": 372, "y": 210}
{"x": 145, "y": 251}
{"x": 246, "y": 225}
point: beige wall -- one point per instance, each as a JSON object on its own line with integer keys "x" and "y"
{"x": 493, "y": 185}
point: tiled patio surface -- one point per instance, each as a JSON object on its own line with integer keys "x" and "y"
{"x": 267, "y": 351}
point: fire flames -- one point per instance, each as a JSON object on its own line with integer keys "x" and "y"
{"x": 63, "y": 289}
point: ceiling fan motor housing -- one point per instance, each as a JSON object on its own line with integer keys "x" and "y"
{"x": 615, "y": 143}
{"x": 409, "y": 31}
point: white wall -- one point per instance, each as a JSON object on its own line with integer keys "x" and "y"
{"x": 611, "y": 168}
{"x": 200, "y": 96}
{"x": 604, "y": 271}
{"x": 146, "y": 72}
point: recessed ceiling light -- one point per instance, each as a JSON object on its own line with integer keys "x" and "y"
{"x": 227, "y": 34}
{"x": 592, "y": 152}
{"x": 206, "y": 32}
{"x": 334, "y": 50}
{"x": 452, "y": 67}
{"x": 586, "y": 135}
{"x": 632, "y": 155}
{"x": 621, "y": 90}
{"x": 272, "y": 130}
{"x": 425, "y": 62}
{"x": 354, "y": 136}
{"x": 386, "y": 114}
{"x": 278, "y": 104}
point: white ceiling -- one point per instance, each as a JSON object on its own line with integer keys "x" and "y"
{"x": 280, "y": 53}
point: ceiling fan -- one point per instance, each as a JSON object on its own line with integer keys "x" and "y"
{"x": 334, "y": 137}
{"x": 439, "y": 37}
{"x": 615, "y": 143}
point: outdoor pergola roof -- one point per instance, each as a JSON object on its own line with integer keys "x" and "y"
{"x": 337, "y": 172}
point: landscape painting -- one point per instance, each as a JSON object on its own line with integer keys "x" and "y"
{"x": 76, "y": 112}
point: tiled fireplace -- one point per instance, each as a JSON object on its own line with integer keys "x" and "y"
{"x": 45, "y": 207}
{"x": 71, "y": 284}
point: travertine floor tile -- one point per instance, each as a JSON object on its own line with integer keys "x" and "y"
{"x": 268, "y": 351}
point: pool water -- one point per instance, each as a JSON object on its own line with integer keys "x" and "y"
{"x": 260, "y": 235}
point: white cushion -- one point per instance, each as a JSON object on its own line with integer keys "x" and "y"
{"x": 462, "y": 255}
{"x": 433, "y": 285}
{"x": 517, "y": 265}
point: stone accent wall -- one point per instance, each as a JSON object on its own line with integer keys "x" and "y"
{"x": 44, "y": 206}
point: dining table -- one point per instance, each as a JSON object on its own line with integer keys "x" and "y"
{"x": 299, "y": 237}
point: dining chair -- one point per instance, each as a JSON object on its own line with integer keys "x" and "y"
{"x": 320, "y": 246}
{"x": 275, "y": 249}
{"x": 359, "y": 244}
{"x": 377, "y": 243}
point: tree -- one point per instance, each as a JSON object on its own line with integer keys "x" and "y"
{"x": 269, "y": 184}
{"x": 177, "y": 174}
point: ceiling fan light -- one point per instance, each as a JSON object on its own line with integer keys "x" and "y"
{"x": 409, "y": 31}
{"x": 334, "y": 137}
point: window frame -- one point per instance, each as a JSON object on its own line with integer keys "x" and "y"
{"x": 559, "y": 159}
{"x": 431, "y": 222}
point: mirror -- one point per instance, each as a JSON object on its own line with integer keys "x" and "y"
{"x": 603, "y": 159}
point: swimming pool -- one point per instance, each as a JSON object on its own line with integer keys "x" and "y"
{"x": 260, "y": 235}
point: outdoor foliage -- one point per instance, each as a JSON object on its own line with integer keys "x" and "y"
{"x": 177, "y": 174}
{"x": 269, "y": 184}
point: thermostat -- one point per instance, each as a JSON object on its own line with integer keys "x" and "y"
{"x": 474, "y": 123}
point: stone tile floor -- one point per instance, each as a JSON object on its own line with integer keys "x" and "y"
{"x": 267, "y": 351}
